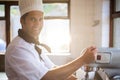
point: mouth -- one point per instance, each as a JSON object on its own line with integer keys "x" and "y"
{"x": 36, "y": 30}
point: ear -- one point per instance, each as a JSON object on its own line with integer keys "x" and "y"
{"x": 21, "y": 21}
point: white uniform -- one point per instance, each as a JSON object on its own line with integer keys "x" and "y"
{"x": 22, "y": 61}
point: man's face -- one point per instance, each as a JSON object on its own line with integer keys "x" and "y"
{"x": 33, "y": 23}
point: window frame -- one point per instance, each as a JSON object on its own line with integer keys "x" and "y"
{"x": 58, "y": 1}
{"x": 113, "y": 14}
{"x": 7, "y": 18}
{"x": 59, "y": 17}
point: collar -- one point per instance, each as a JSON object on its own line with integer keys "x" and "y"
{"x": 27, "y": 37}
{"x": 30, "y": 39}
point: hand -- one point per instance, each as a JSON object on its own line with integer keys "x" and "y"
{"x": 89, "y": 55}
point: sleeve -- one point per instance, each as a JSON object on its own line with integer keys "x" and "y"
{"x": 25, "y": 65}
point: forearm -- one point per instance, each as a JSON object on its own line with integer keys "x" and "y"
{"x": 64, "y": 71}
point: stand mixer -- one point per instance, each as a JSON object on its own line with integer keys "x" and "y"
{"x": 107, "y": 60}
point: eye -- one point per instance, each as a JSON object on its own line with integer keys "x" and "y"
{"x": 40, "y": 19}
{"x": 33, "y": 19}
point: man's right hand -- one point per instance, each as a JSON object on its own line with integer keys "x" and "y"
{"x": 89, "y": 55}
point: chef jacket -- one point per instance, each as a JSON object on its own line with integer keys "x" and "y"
{"x": 22, "y": 61}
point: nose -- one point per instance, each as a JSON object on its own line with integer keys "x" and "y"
{"x": 37, "y": 23}
{"x": 40, "y": 20}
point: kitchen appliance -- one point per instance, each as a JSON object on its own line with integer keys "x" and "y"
{"x": 106, "y": 66}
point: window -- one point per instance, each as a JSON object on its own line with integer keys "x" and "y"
{"x": 2, "y": 10}
{"x": 5, "y": 31}
{"x": 2, "y": 29}
{"x": 114, "y": 23}
{"x": 14, "y": 20}
{"x": 2, "y": 36}
{"x": 56, "y": 31}
{"x": 58, "y": 10}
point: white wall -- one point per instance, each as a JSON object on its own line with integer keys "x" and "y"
{"x": 82, "y": 31}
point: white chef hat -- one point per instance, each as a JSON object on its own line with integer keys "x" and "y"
{"x": 30, "y": 5}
